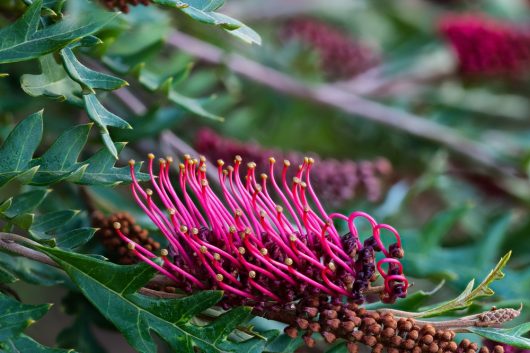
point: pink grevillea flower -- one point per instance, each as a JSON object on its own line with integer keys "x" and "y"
{"x": 487, "y": 46}
{"x": 260, "y": 239}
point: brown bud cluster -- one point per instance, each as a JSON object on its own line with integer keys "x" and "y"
{"x": 378, "y": 330}
{"x": 116, "y": 248}
{"x": 123, "y": 5}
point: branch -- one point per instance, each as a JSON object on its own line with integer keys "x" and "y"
{"x": 347, "y": 102}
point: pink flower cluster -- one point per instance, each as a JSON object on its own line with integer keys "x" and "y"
{"x": 487, "y": 46}
{"x": 260, "y": 239}
{"x": 341, "y": 57}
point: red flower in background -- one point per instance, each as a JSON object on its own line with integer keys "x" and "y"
{"x": 487, "y": 46}
{"x": 336, "y": 182}
{"x": 341, "y": 57}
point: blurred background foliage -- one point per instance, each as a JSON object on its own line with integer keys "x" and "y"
{"x": 459, "y": 206}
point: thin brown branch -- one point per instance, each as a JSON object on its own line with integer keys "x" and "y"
{"x": 341, "y": 100}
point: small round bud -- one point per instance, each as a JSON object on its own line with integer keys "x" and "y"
{"x": 252, "y": 274}
{"x": 289, "y": 261}
{"x": 217, "y": 257}
{"x": 164, "y": 252}
{"x": 149, "y": 192}
{"x": 116, "y": 225}
{"x": 219, "y": 277}
{"x": 263, "y": 251}
{"x": 183, "y": 229}
{"x": 131, "y": 245}
{"x": 241, "y": 250}
{"x": 203, "y": 249}
{"x": 194, "y": 231}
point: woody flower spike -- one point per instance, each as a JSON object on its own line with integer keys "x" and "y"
{"x": 261, "y": 240}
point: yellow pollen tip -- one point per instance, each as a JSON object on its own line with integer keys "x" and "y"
{"x": 219, "y": 277}
{"x": 272, "y": 160}
{"x": 202, "y": 168}
{"x": 116, "y": 225}
{"x": 262, "y": 214}
{"x": 162, "y": 161}
{"x": 306, "y": 209}
{"x": 332, "y": 266}
{"x": 202, "y": 158}
{"x": 279, "y": 209}
{"x": 238, "y": 159}
{"x": 311, "y": 160}
{"x": 204, "y": 182}
{"x": 264, "y": 176}
{"x": 195, "y": 161}
{"x": 225, "y": 172}
{"x": 248, "y": 230}
{"x": 263, "y": 251}
{"x": 251, "y": 165}
{"x": 306, "y": 160}
{"x": 150, "y": 156}
{"x": 241, "y": 250}
{"x": 230, "y": 169}
{"x": 187, "y": 156}
{"x": 149, "y": 192}
{"x": 216, "y": 256}
{"x": 220, "y": 162}
{"x": 203, "y": 249}
{"x": 252, "y": 274}
{"x": 303, "y": 184}
{"x": 288, "y": 261}
{"x": 172, "y": 211}
{"x": 232, "y": 229}
{"x": 164, "y": 252}
{"x": 296, "y": 180}
{"x": 132, "y": 162}
{"x": 258, "y": 188}
{"x": 194, "y": 231}
{"x": 182, "y": 166}
{"x": 169, "y": 159}
{"x": 131, "y": 246}
{"x": 286, "y": 163}
{"x": 239, "y": 213}
{"x": 293, "y": 238}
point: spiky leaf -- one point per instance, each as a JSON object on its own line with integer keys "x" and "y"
{"x": 15, "y": 316}
{"x": 23, "y": 40}
{"x": 510, "y": 336}
{"x": 112, "y": 289}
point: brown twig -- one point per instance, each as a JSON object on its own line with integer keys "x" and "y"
{"x": 337, "y": 98}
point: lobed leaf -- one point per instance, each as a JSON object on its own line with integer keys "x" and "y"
{"x": 112, "y": 289}
{"x": 15, "y": 316}
{"x": 23, "y": 40}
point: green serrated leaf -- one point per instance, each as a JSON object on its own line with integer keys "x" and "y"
{"x": 7, "y": 277}
{"x": 23, "y": 41}
{"x": 88, "y": 78}
{"x": 101, "y": 169}
{"x": 204, "y": 12}
{"x": 53, "y": 82}
{"x": 510, "y": 336}
{"x": 25, "y": 202}
{"x": 15, "y": 316}
{"x": 75, "y": 238}
{"x": 467, "y": 297}
{"x": 43, "y": 224}
{"x": 60, "y": 160}
{"x": 18, "y": 149}
{"x": 191, "y": 104}
{"x": 112, "y": 289}
{"x": 23, "y": 343}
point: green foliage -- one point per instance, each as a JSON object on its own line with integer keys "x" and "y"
{"x": 24, "y": 41}
{"x": 204, "y": 11}
{"x": 510, "y": 336}
{"x": 14, "y": 318}
{"x": 60, "y": 161}
{"x": 112, "y": 289}
{"x": 471, "y": 293}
